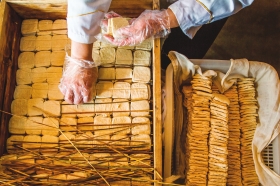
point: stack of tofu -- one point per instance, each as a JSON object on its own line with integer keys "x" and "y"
{"x": 118, "y": 117}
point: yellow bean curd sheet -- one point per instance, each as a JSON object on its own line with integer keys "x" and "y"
{"x": 268, "y": 95}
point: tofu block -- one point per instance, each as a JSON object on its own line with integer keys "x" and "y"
{"x": 96, "y": 44}
{"x": 106, "y": 45}
{"x": 141, "y": 74}
{"x": 139, "y": 108}
{"x": 50, "y": 127}
{"x": 39, "y": 75}
{"x": 57, "y": 58}
{"x": 142, "y": 58}
{"x": 34, "y": 126}
{"x": 140, "y": 160}
{"x": 120, "y": 125}
{"x": 19, "y": 107}
{"x": 85, "y": 123}
{"x": 40, "y": 90}
{"x": 43, "y": 43}
{"x": 124, "y": 57}
{"x": 119, "y": 106}
{"x": 107, "y": 55}
{"x": 23, "y": 92}
{"x": 14, "y": 140}
{"x": 140, "y": 91}
{"x": 68, "y": 121}
{"x": 143, "y": 125}
{"x": 35, "y": 107}
{"x": 59, "y": 27}
{"x": 82, "y": 141}
{"x": 115, "y": 24}
{"x": 121, "y": 90}
{"x": 106, "y": 73}
{"x": 69, "y": 135}
{"x": 127, "y": 47}
{"x": 102, "y": 125}
{"x": 69, "y": 109}
{"x": 103, "y": 106}
{"x": 119, "y": 160}
{"x": 141, "y": 142}
{"x": 43, "y": 59}
{"x": 104, "y": 89}
{"x": 32, "y": 142}
{"x": 68, "y": 124}
{"x": 52, "y": 108}
{"x": 54, "y": 93}
{"x": 26, "y": 60}
{"x": 97, "y": 158}
{"x": 28, "y": 44}
{"x": 85, "y": 110}
{"x": 54, "y": 74}
{"x": 29, "y": 27}
{"x": 59, "y": 42}
{"x": 17, "y": 124}
{"x": 120, "y": 140}
{"x": 145, "y": 45}
{"x": 45, "y": 25}
{"x": 96, "y": 56}
{"x": 49, "y": 142}
{"x": 124, "y": 73}
{"x": 23, "y": 76}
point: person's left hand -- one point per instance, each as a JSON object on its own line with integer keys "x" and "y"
{"x": 78, "y": 81}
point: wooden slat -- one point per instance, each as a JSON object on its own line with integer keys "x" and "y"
{"x": 9, "y": 51}
{"x": 55, "y": 9}
{"x": 157, "y": 107}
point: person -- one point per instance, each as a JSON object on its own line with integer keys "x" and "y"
{"x": 84, "y": 19}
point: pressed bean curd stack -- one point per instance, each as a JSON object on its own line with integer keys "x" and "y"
{"x": 198, "y": 130}
{"x": 248, "y": 111}
{"x": 110, "y": 136}
{"x": 234, "y": 163}
{"x": 218, "y": 140}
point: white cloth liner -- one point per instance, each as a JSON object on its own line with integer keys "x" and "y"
{"x": 268, "y": 96}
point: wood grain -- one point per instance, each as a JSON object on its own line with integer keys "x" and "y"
{"x": 9, "y": 51}
{"x": 53, "y": 9}
{"x": 157, "y": 107}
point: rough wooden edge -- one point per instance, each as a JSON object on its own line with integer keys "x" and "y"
{"x": 157, "y": 106}
{"x": 9, "y": 51}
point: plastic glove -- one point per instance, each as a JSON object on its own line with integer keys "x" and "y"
{"x": 78, "y": 80}
{"x": 150, "y": 24}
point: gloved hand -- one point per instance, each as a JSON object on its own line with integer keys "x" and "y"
{"x": 150, "y": 24}
{"x": 78, "y": 80}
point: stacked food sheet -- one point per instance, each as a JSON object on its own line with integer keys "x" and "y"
{"x": 105, "y": 141}
{"x": 220, "y": 129}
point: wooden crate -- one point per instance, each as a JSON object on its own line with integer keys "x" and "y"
{"x": 12, "y": 12}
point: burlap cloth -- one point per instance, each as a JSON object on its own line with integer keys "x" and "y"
{"x": 268, "y": 90}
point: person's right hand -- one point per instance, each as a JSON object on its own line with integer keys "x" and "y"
{"x": 78, "y": 81}
{"x": 150, "y": 24}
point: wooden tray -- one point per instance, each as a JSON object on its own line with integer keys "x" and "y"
{"x": 12, "y": 12}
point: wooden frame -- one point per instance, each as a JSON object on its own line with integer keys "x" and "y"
{"x": 12, "y": 12}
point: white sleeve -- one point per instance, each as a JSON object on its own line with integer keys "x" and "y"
{"x": 192, "y": 14}
{"x": 83, "y": 19}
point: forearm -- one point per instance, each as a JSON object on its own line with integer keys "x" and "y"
{"x": 192, "y": 14}
{"x": 81, "y": 50}
{"x": 172, "y": 19}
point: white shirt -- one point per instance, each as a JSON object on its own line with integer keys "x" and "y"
{"x": 192, "y": 14}
{"x": 84, "y": 16}
{"x": 83, "y": 19}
